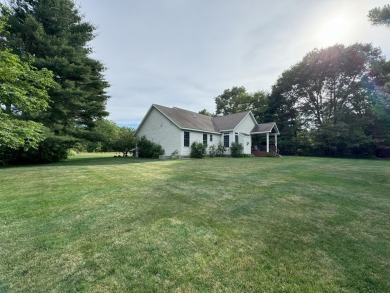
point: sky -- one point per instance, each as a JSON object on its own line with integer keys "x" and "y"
{"x": 184, "y": 53}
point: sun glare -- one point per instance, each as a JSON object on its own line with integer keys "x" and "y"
{"x": 333, "y": 31}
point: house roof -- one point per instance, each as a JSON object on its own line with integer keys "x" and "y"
{"x": 190, "y": 120}
{"x": 228, "y": 122}
{"x": 185, "y": 119}
{"x": 265, "y": 127}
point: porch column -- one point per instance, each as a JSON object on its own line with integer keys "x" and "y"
{"x": 276, "y": 143}
{"x": 267, "y": 142}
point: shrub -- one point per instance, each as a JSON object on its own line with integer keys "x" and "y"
{"x": 198, "y": 150}
{"x": 220, "y": 150}
{"x": 149, "y": 149}
{"x": 175, "y": 155}
{"x": 212, "y": 151}
{"x": 50, "y": 150}
{"x": 236, "y": 149}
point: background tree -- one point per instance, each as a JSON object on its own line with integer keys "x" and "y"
{"x": 237, "y": 100}
{"x": 101, "y": 138}
{"x": 325, "y": 100}
{"x": 232, "y": 101}
{"x": 54, "y": 32}
{"x": 380, "y": 16}
{"x": 381, "y": 101}
{"x": 125, "y": 140}
{"x": 207, "y": 113}
{"x": 281, "y": 109}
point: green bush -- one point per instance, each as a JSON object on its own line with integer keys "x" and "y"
{"x": 236, "y": 149}
{"x": 220, "y": 150}
{"x": 149, "y": 149}
{"x": 198, "y": 150}
{"x": 175, "y": 155}
{"x": 50, "y": 150}
{"x": 212, "y": 151}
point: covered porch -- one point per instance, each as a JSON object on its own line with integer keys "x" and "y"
{"x": 265, "y": 139}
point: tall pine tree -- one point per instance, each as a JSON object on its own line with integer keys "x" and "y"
{"x": 54, "y": 35}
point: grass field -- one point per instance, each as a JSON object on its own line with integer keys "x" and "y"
{"x": 100, "y": 224}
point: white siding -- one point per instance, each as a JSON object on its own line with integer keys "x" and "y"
{"x": 159, "y": 129}
{"x": 246, "y": 141}
{"x": 245, "y": 127}
{"x": 197, "y": 137}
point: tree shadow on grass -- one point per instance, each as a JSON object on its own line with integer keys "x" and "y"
{"x": 103, "y": 161}
{"x": 87, "y": 161}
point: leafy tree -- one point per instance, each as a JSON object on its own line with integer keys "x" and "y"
{"x": 381, "y": 108}
{"x": 232, "y": 101}
{"x": 259, "y": 107}
{"x": 380, "y": 16}
{"x": 125, "y": 140}
{"x": 101, "y": 138}
{"x": 237, "y": 100}
{"x": 23, "y": 91}
{"x": 205, "y": 112}
{"x": 282, "y": 111}
{"x": 329, "y": 90}
{"x": 54, "y": 32}
{"x": 381, "y": 100}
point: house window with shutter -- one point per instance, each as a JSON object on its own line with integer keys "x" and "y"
{"x": 186, "y": 139}
{"x": 205, "y": 139}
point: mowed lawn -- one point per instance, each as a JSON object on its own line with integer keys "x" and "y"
{"x": 103, "y": 224}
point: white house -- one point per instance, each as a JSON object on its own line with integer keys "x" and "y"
{"x": 176, "y": 129}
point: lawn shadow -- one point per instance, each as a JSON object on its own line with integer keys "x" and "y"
{"x": 103, "y": 161}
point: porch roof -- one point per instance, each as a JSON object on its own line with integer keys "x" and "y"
{"x": 265, "y": 128}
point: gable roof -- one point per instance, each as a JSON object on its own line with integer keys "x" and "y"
{"x": 264, "y": 128}
{"x": 229, "y": 122}
{"x": 186, "y": 119}
{"x": 189, "y": 120}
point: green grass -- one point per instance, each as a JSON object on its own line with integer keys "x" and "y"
{"x": 100, "y": 224}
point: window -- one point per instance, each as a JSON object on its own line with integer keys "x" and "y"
{"x": 205, "y": 139}
{"x": 226, "y": 142}
{"x": 211, "y": 137}
{"x": 236, "y": 139}
{"x": 186, "y": 139}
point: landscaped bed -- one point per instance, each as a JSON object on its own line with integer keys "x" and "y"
{"x": 95, "y": 223}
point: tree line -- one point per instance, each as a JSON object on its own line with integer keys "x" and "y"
{"x": 335, "y": 101}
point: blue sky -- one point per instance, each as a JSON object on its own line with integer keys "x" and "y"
{"x": 184, "y": 53}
